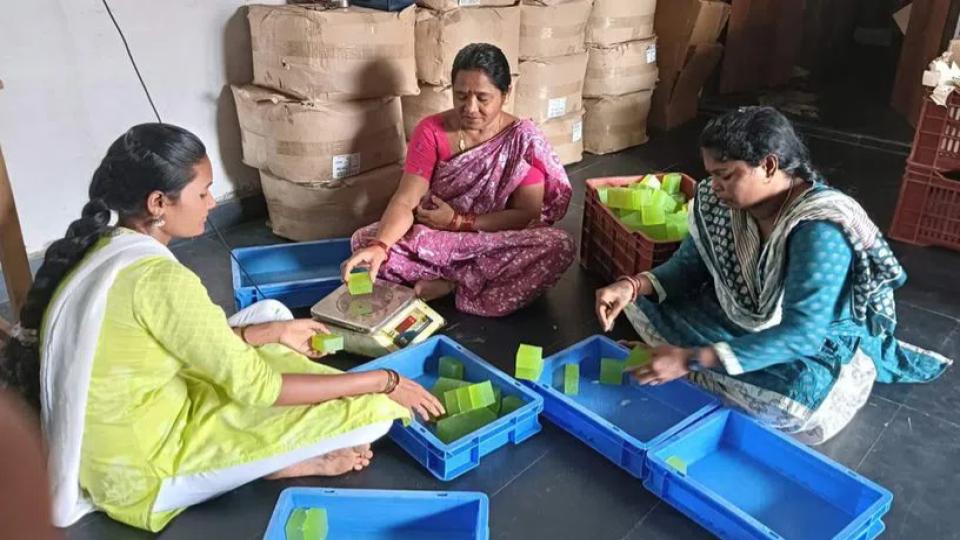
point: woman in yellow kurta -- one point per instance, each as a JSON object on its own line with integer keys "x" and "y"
{"x": 151, "y": 399}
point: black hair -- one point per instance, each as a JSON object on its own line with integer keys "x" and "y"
{"x": 145, "y": 159}
{"x": 751, "y": 134}
{"x": 486, "y": 58}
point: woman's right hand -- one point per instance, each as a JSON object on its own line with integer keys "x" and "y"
{"x": 613, "y": 298}
{"x": 370, "y": 257}
{"x": 413, "y": 396}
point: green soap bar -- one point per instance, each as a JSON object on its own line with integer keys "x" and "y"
{"x": 664, "y": 201}
{"x": 632, "y": 221}
{"x": 450, "y": 368}
{"x": 360, "y": 283}
{"x": 657, "y": 233}
{"x": 444, "y": 385}
{"x": 681, "y": 198}
{"x": 510, "y": 404}
{"x": 651, "y": 181}
{"x": 639, "y": 357}
{"x": 653, "y": 215}
{"x": 671, "y": 183}
{"x": 459, "y": 425}
{"x": 677, "y": 226}
{"x": 468, "y": 398}
{"x": 623, "y": 198}
{"x": 497, "y": 401}
{"x": 602, "y": 194}
{"x": 611, "y": 371}
{"x": 677, "y": 463}
{"x": 327, "y": 343}
{"x": 571, "y": 379}
{"x": 529, "y": 362}
{"x": 307, "y": 524}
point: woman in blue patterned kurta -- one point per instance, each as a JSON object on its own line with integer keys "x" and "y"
{"x": 781, "y": 300}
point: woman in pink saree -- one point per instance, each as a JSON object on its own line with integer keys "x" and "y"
{"x": 472, "y": 214}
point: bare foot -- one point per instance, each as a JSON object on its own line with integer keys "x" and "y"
{"x": 428, "y": 290}
{"x": 335, "y": 463}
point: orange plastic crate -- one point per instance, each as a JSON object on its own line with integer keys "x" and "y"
{"x": 928, "y": 212}
{"x": 936, "y": 142}
{"x": 607, "y": 247}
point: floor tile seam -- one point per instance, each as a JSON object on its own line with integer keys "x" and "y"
{"x": 879, "y": 436}
{"x": 643, "y": 520}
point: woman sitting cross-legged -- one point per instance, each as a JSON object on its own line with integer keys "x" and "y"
{"x": 472, "y": 211}
{"x": 151, "y": 399}
{"x": 781, "y": 300}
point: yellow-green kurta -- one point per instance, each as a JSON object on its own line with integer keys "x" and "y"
{"x": 175, "y": 392}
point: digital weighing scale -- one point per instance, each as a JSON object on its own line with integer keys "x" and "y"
{"x": 385, "y": 321}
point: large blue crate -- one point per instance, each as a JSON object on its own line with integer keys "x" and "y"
{"x": 620, "y": 422}
{"x": 298, "y": 275}
{"x": 355, "y": 514}
{"x": 385, "y": 5}
{"x": 745, "y": 481}
{"x": 448, "y": 461}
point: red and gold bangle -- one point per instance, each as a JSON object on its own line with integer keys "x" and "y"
{"x": 469, "y": 223}
{"x": 454, "y": 224}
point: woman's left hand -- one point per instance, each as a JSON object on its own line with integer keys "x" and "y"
{"x": 667, "y": 363}
{"x": 298, "y": 333}
{"x": 439, "y": 218}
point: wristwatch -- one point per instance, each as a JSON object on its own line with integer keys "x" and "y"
{"x": 694, "y": 364}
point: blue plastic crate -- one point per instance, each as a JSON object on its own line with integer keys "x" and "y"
{"x": 620, "y": 422}
{"x": 746, "y": 481}
{"x": 385, "y": 5}
{"x": 448, "y": 461}
{"x": 298, "y": 275}
{"x": 358, "y": 514}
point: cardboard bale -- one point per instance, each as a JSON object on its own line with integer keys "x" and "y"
{"x": 622, "y": 69}
{"x": 441, "y": 35}
{"x": 551, "y": 87}
{"x": 677, "y": 97}
{"x": 566, "y": 136}
{"x": 336, "y": 209}
{"x": 308, "y": 141}
{"x": 547, "y": 31}
{"x": 449, "y": 5}
{"x": 682, "y": 24}
{"x": 620, "y": 21}
{"x": 611, "y": 124}
{"x": 352, "y": 53}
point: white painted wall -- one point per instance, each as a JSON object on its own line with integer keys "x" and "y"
{"x": 70, "y": 91}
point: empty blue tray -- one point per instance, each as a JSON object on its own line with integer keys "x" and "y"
{"x": 448, "y": 461}
{"x": 357, "y": 514}
{"x": 745, "y": 481}
{"x": 620, "y": 422}
{"x": 298, "y": 275}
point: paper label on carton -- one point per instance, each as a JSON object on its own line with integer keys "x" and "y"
{"x": 468, "y": 3}
{"x": 652, "y": 54}
{"x": 556, "y": 108}
{"x": 577, "y": 131}
{"x": 345, "y": 165}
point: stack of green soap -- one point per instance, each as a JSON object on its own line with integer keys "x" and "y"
{"x": 444, "y": 385}
{"x": 468, "y": 398}
{"x": 307, "y": 524}
{"x": 457, "y": 426}
{"x": 327, "y": 343}
{"x": 510, "y": 404}
{"x": 655, "y": 206}
{"x": 529, "y": 362}
{"x": 359, "y": 283}
{"x": 571, "y": 379}
{"x": 611, "y": 371}
{"x": 450, "y": 368}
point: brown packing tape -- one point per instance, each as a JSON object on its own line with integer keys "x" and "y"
{"x": 328, "y": 210}
{"x": 616, "y": 72}
{"x": 552, "y": 32}
{"x": 609, "y": 23}
{"x": 365, "y": 139}
{"x": 324, "y": 51}
{"x": 555, "y": 91}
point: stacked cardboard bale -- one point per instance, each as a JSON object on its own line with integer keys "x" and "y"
{"x": 322, "y": 120}
{"x": 687, "y": 31}
{"x": 553, "y": 64}
{"x": 621, "y": 74}
{"x": 444, "y": 27}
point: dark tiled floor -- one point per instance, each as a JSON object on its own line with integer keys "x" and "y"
{"x": 906, "y": 438}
